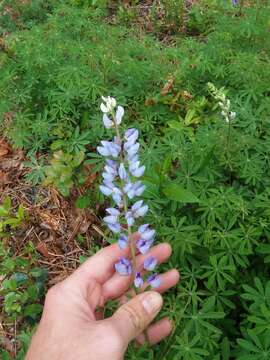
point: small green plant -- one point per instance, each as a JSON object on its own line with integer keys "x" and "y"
{"x": 21, "y": 290}
{"x": 62, "y": 170}
{"x": 37, "y": 170}
{"x": 9, "y": 219}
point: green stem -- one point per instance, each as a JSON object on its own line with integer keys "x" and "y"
{"x": 228, "y": 143}
{"x": 130, "y": 243}
{"x": 125, "y": 201}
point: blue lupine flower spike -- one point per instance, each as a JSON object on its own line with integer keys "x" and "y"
{"x": 121, "y": 183}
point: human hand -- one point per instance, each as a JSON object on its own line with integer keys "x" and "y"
{"x": 71, "y": 326}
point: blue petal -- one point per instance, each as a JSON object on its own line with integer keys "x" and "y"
{"x": 150, "y": 263}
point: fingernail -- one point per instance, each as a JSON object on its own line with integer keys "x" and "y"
{"x": 152, "y": 302}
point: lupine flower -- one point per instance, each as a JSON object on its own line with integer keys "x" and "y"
{"x": 154, "y": 281}
{"x": 111, "y": 219}
{"x": 122, "y": 172}
{"x": 108, "y": 123}
{"x": 122, "y": 166}
{"x": 119, "y": 114}
{"x": 123, "y": 266}
{"x": 108, "y": 188}
{"x": 135, "y": 169}
{"x": 150, "y": 263}
{"x": 145, "y": 232}
{"x": 223, "y": 102}
{"x": 115, "y": 228}
{"x": 134, "y": 189}
{"x": 131, "y": 135}
{"x": 144, "y": 245}
{"x": 131, "y": 149}
{"x": 137, "y": 210}
{"x": 235, "y": 2}
{"x": 113, "y": 211}
{"x": 110, "y": 104}
{"x": 109, "y": 148}
{"x": 123, "y": 241}
{"x": 138, "y": 281}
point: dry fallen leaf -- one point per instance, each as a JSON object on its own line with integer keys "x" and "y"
{"x": 42, "y": 249}
{"x": 167, "y": 87}
{"x": 186, "y": 95}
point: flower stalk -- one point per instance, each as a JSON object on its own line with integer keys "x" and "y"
{"x": 228, "y": 115}
{"x": 121, "y": 183}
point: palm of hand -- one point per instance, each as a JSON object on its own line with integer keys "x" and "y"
{"x": 72, "y": 327}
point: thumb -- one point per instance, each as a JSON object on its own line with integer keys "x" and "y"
{"x": 132, "y": 318}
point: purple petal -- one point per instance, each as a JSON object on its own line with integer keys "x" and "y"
{"x": 132, "y": 158}
{"x": 111, "y": 148}
{"x": 131, "y": 135}
{"x": 107, "y": 176}
{"x": 129, "y": 217}
{"x": 148, "y": 234}
{"x": 141, "y": 211}
{"x": 138, "y": 172}
{"x": 105, "y": 190}
{"x": 144, "y": 245}
{"x": 103, "y": 151}
{"x": 133, "y": 165}
{"x": 122, "y": 172}
{"x": 108, "y": 123}
{"x": 133, "y": 149}
{"x": 143, "y": 228}
{"x": 117, "y": 198}
{"x": 119, "y": 114}
{"x": 128, "y": 187}
{"x": 123, "y": 241}
{"x": 111, "y": 219}
{"x": 110, "y": 170}
{"x": 154, "y": 280}
{"x": 115, "y": 228}
{"x": 150, "y": 263}
{"x": 113, "y": 211}
{"x": 123, "y": 266}
{"x": 131, "y": 193}
{"x": 137, "y": 205}
{"x": 111, "y": 163}
{"x": 138, "y": 281}
{"x": 139, "y": 190}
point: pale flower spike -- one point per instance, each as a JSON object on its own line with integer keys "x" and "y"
{"x": 120, "y": 182}
{"x": 223, "y": 102}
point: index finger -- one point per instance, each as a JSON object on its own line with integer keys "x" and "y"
{"x": 101, "y": 265}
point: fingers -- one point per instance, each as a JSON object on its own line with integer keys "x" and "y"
{"x": 101, "y": 265}
{"x": 117, "y": 284}
{"x": 156, "y": 332}
{"x": 133, "y": 317}
{"x": 168, "y": 280}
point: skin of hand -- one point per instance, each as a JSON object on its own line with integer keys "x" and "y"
{"x": 71, "y": 326}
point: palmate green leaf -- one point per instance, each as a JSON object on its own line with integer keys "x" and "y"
{"x": 247, "y": 345}
{"x": 265, "y": 250}
{"x": 176, "y": 192}
{"x": 33, "y": 310}
{"x": 255, "y": 346}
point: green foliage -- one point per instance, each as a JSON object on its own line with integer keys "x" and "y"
{"x": 9, "y": 219}
{"x": 37, "y": 173}
{"x": 207, "y": 181}
{"x": 17, "y": 14}
{"x": 61, "y": 172}
{"x": 22, "y": 291}
{"x": 22, "y": 286}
